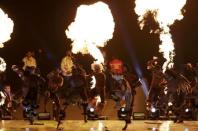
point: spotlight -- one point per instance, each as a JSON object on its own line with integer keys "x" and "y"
{"x": 122, "y": 109}
{"x": 189, "y": 114}
{"x": 91, "y": 114}
{"x": 91, "y": 109}
{"x": 153, "y": 110}
{"x": 186, "y": 110}
{"x": 122, "y": 113}
{"x": 153, "y": 113}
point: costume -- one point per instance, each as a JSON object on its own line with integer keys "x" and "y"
{"x": 29, "y": 62}
{"x": 55, "y": 81}
{"x": 67, "y": 65}
{"x": 116, "y": 66}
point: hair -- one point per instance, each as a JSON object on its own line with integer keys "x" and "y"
{"x": 97, "y": 67}
{"x": 6, "y": 84}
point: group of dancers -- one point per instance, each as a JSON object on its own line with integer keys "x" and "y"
{"x": 171, "y": 91}
{"x": 71, "y": 84}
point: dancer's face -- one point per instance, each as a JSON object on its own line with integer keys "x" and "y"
{"x": 7, "y": 88}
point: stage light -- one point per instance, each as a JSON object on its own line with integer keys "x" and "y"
{"x": 92, "y": 109}
{"x": 122, "y": 113}
{"x": 153, "y": 110}
{"x": 154, "y": 113}
{"x": 186, "y": 110}
{"x": 91, "y": 114}
{"x": 122, "y": 109}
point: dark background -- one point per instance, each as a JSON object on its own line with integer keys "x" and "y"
{"x": 42, "y": 24}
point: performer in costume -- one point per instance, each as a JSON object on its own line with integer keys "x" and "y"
{"x": 67, "y": 65}
{"x": 30, "y": 90}
{"x": 98, "y": 92}
{"x": 55, "y": 81}
{"x": 6, "y": 101}
{"x": 157, "y": 80}
{"x": 29, "y": 60}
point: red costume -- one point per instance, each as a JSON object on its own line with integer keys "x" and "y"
{"x": 116, "y": 66}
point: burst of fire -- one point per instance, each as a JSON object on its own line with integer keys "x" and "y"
{"x": 93, "y": 82}
{"x": 6, "y": 28}
{"x": 165, "y": 13}
{"x": 93, "y": 28}
{"x": 2, "y": 65}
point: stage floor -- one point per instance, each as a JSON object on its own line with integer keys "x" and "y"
{"x": 111, "y": 125}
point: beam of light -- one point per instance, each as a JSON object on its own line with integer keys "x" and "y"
{"x": 6, "y": 28}
{"x": 128, "y": 46}
{"x": 165, "y": 13}
{"x": 144, "y": 86}
{"x": 2, "y": 65}
{"x": 93, "y": 28}
{"x": 137, "y": 67}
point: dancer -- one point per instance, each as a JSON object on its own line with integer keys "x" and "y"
{"x": 97, "y": 93}
{"x": 6, "y": 101}
{"x": 29, "y": 60}
{"x": 30, "y": 90}
{"x": 55, "y": 81}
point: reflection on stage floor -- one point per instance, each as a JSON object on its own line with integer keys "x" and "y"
{"x": 110, "y": 125}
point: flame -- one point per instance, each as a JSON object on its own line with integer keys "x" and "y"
{"x": 165, "y": 13}
{"x": 2, "y": 65}
{"x": 93, "y": 28}
{"x": 6, "y": 28}
{"x": 93, "y": 82}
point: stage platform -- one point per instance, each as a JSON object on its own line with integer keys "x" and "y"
{"x": 110, "y": 125}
